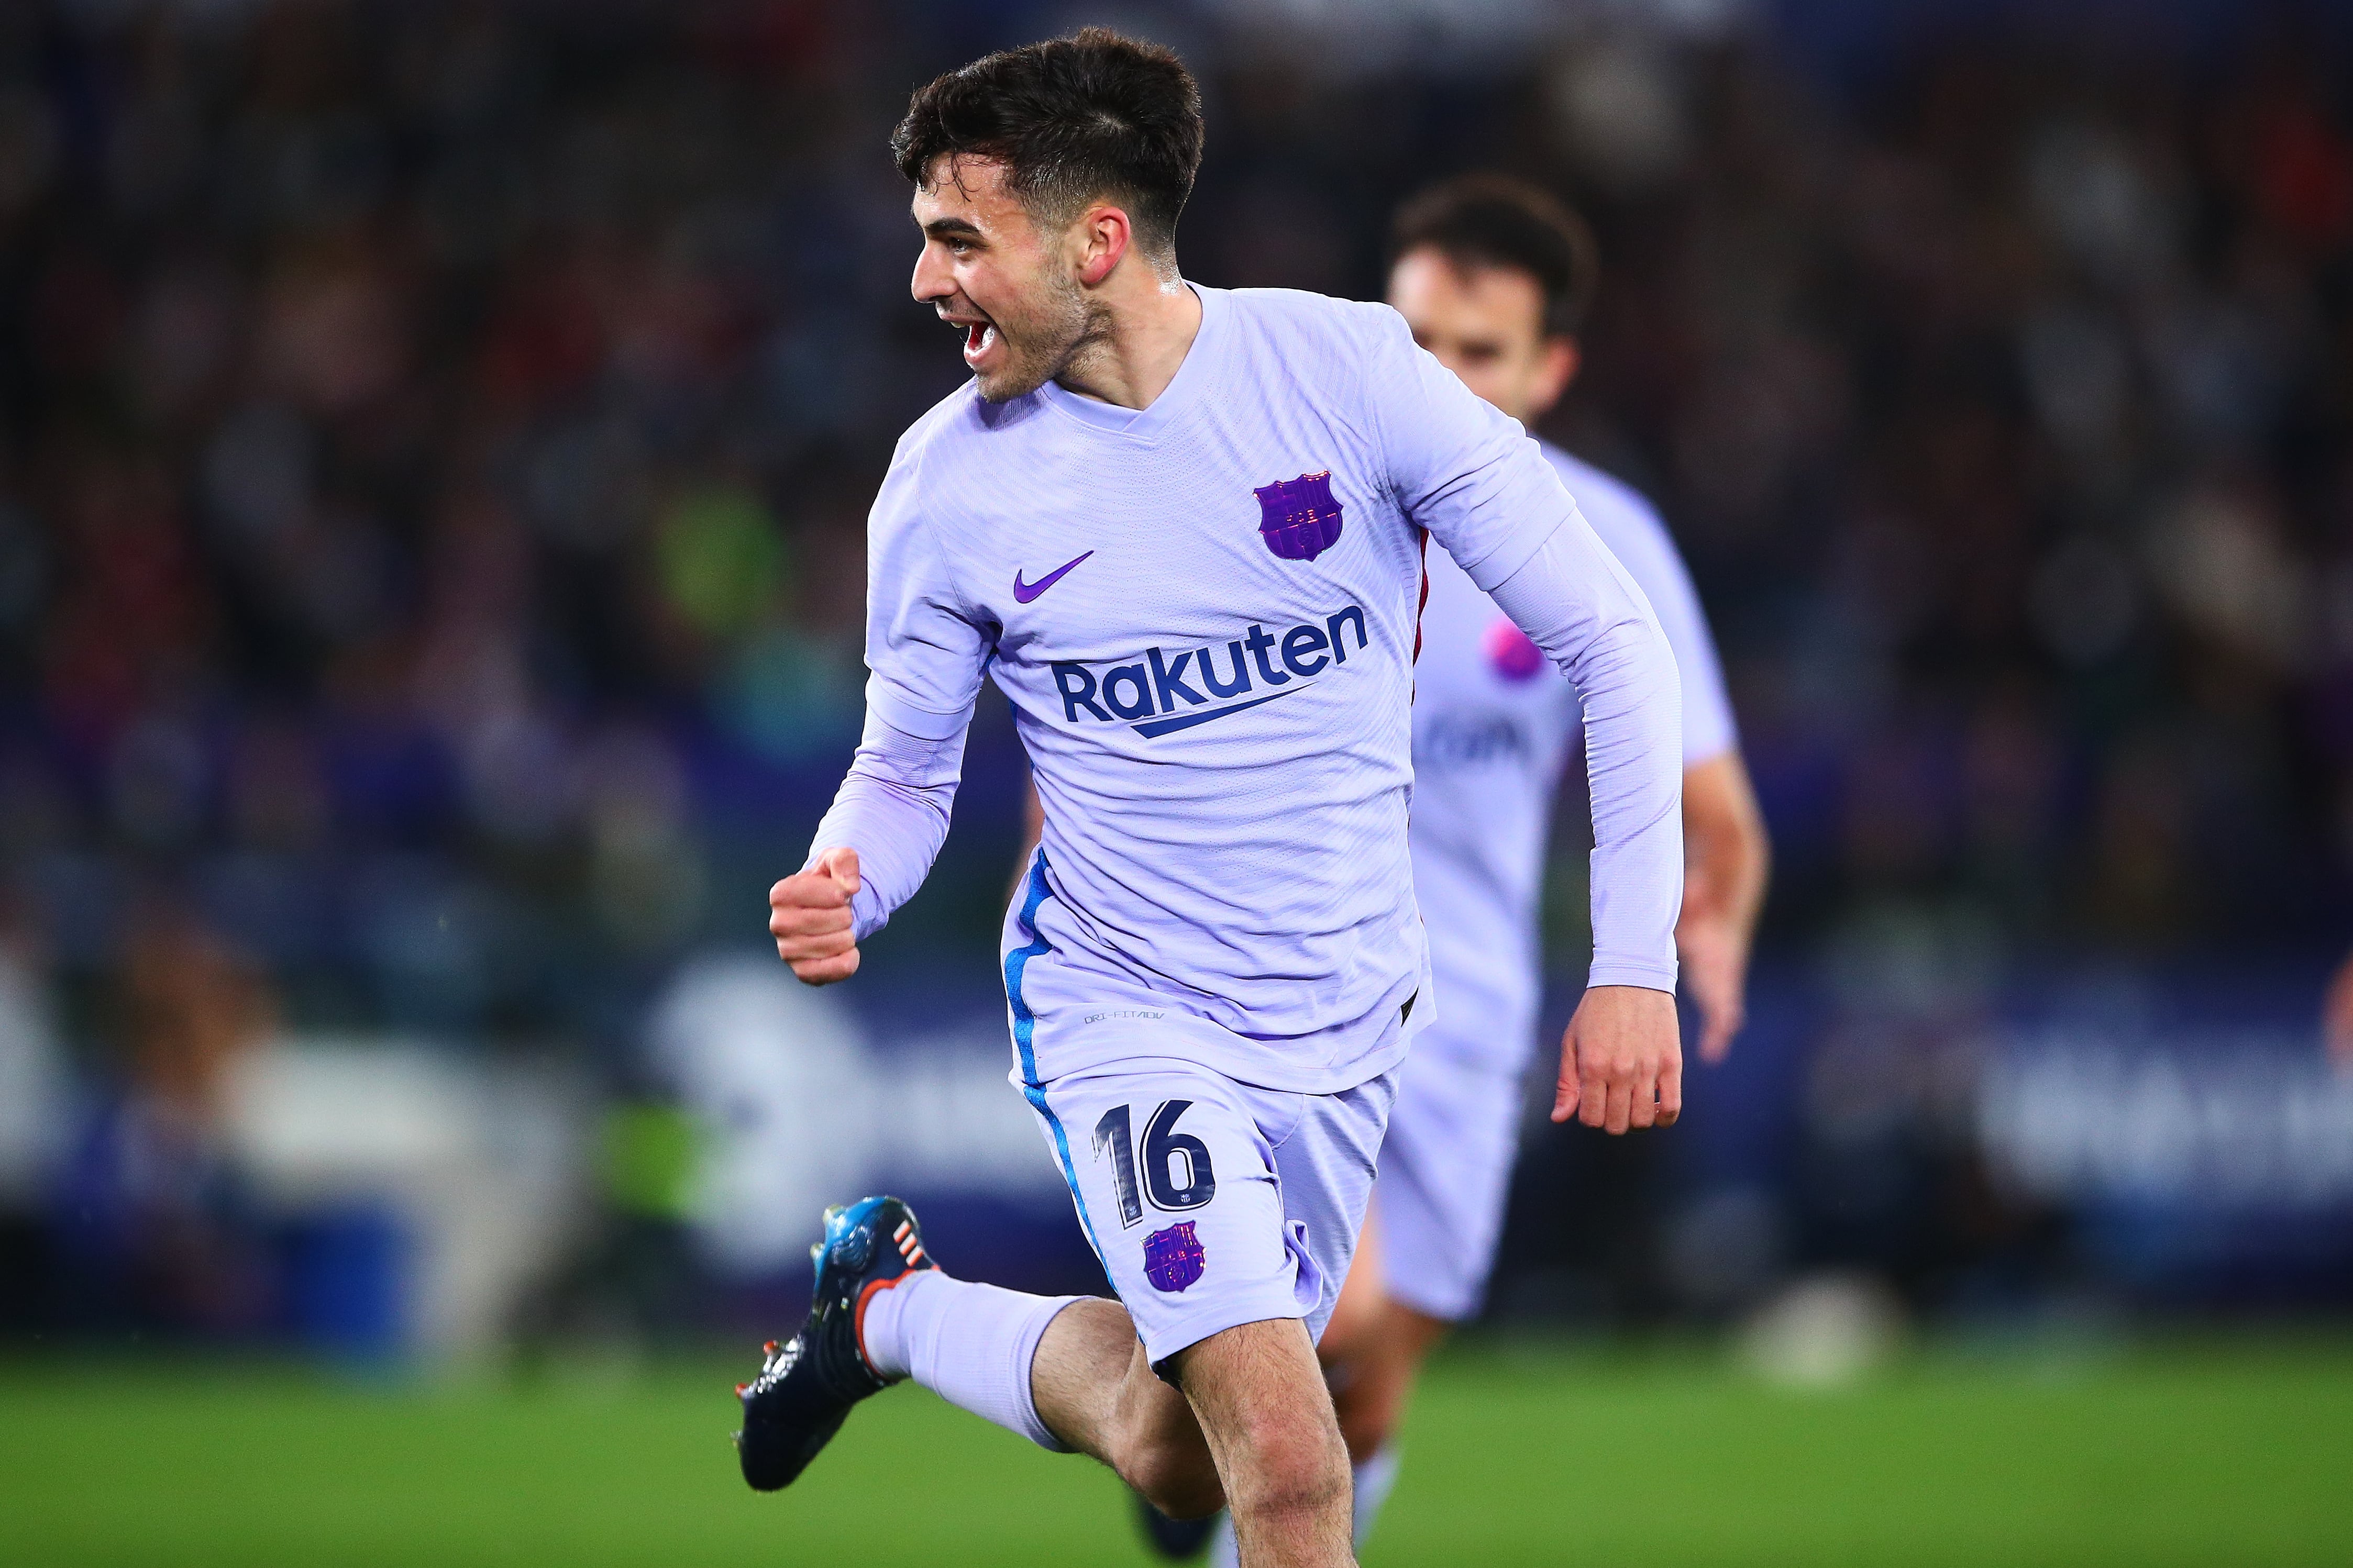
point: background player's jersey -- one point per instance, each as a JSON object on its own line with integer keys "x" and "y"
{"x": 1493, "y": 725}
{"x": 1204, "y": 615}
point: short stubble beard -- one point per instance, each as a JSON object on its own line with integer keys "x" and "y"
{"x": 1043, "y": 347}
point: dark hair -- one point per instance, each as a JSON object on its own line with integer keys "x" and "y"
{"x": 1071, "y": 119}
{"x": 1494, "y": 220}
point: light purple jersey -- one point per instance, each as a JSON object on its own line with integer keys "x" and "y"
{"x": 1205, "y": 614}
{"x": 1493, "y": 725}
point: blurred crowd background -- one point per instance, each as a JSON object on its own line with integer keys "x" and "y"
{"x": 435, "y": 441}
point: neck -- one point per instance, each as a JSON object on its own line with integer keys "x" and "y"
{"x": 1143, "y": 324}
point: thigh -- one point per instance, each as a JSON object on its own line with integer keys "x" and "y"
{"x": 1326, "y": 1168}
{"x": 1174, "y": 1179}
{"x": 1446, "y": 1172}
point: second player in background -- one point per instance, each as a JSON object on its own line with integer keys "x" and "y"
{"x": 1494, "y": 277}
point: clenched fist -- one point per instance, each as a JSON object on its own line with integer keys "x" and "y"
{"x": 1622, "y": 1061}
{"x": 808, "y": 914}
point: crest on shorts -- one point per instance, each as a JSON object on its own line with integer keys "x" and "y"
{"x": 1172, "y": 1258}
{"x": 1298, "y": 518}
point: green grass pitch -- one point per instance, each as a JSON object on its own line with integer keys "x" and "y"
{"x": 2217, "y": 1453}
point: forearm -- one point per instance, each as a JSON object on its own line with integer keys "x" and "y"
{"x": 1575, "y": 603}
{"x": 894, "y": 808}
{"x": 1725, "y": 840}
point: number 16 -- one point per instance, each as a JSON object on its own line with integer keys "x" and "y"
{"x": 1163, "y": 1147}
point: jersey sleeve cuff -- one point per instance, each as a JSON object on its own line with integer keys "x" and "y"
{"x": 886, "y": 703}
{"x": 867, "y": 914}
{"x": 1631, "y": 972}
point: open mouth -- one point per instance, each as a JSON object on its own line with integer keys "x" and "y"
{"x": 979, "y": 337}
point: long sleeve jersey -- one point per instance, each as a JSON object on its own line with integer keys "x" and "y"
{"x": 1205, "y": 615}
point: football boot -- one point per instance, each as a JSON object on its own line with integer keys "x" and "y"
{"x": 807, "y": 1386}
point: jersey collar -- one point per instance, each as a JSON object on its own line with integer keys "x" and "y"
{"x": 1184, "y": 388}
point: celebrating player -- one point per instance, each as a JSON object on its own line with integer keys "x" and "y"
{"x": 1184, "y": 528}
{"x": 1493, "y": 277}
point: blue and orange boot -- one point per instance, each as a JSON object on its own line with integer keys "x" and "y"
{"x": 807, "y": 1386}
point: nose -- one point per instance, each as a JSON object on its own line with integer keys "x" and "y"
{"x": 935, "y": 279}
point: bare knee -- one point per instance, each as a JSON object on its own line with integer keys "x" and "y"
{"x": 1289, "y": 1462}
{"x": 1266, "y": 1415}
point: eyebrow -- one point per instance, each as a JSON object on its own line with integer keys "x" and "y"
{"x": 943, "y": 228}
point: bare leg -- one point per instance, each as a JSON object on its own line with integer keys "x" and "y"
{"x": 1094, "y": 1389}
{"x": 1374, "y": 1349}
{"x": 1264, "y": 1407}
{"x": 1254, "y": 1429}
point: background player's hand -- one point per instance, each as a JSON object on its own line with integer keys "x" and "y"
{"x": 1622, "y": 1061}
{"x": 808, "y": 914}
{"x": 1713, "y": 947}
{"x": 2336, "y": 1016}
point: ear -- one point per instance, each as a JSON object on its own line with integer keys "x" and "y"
{"x": 1556, "y": 368}
{"x": 1103, "y": 237}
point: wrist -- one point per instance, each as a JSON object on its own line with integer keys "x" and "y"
{"x": 1636, "y": 998}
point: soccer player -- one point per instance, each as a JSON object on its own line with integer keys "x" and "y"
{"x": 1183, "y": 529}
{"x": 1493, "y": 277}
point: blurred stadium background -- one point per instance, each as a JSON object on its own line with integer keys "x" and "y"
{"x": 435, "y": 440}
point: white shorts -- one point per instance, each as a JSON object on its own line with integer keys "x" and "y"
{"x": 1211, "y": 1203}
{"x": 1445, "y": 1173}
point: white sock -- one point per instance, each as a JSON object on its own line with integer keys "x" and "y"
{"x": 1224, "y": 1551}
{"x": 1374, "y": 1478}
{"x": 970, "y": 1344}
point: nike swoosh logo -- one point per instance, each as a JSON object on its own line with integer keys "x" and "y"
{"x": 1025, "y": 592}
{"x": 1160, "y": 726}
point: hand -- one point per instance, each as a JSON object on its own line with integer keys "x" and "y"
{"x": 1713, "y": 947}
{"x": 2336, "y": 1016}
{"x": 1622, "y": 1061}
{"x": 808, "y": 914}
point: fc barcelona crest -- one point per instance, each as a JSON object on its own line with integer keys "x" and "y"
{"x": 1298, "y": 518}
{"x": 1174, "y": 1259}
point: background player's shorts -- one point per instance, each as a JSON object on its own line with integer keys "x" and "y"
{"x": 1446, "y": 1170}
{"x": 1214, "y": 1204}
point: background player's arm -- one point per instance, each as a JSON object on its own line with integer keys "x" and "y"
{"x": 1725, "y": 859}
